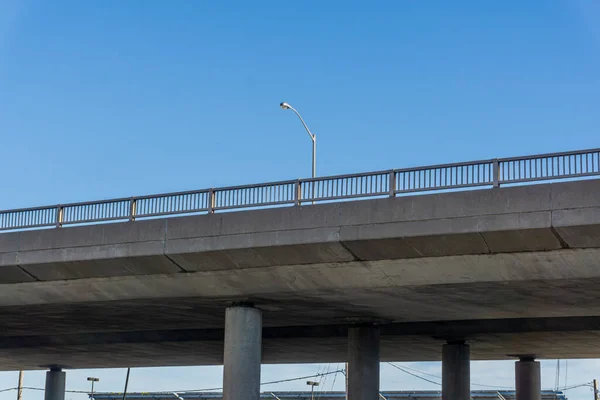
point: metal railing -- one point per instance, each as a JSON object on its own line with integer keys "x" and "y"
{"x": 493, "y": 173}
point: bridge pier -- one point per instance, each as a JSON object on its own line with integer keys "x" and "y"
{"x": 56, "y": 381}
{"x": 363, "y": 363}
{"x": 528, "y": 380}
{"x": 242, "y": 353}
{"x": 456, "y": 371}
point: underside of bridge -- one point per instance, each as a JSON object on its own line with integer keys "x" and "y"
{"x": 399, "y": 342}
{"x": 499, "y": 321}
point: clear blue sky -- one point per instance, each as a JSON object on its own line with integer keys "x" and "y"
{"x": 101, "y": 99}
{"x": 113, "y": 98}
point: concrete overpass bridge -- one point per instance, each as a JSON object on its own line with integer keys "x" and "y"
{"x": 506, "y": 271}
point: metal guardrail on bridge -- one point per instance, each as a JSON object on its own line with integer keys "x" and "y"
{"x": 491, "y": 173}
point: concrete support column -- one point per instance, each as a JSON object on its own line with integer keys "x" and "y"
{"x": 456, "y": 371}
{"x": 528, "y": 379}
{"x": 363, "y": 363}
{"x": 243, "y": 352}
{"x": 56, "y": 381}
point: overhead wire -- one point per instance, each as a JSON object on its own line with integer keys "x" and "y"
{"x": 262, "y": 383}
{"x": 66, "y": 391}
{"x": 337, "y": 371}
{"x": 415, "y": 375}
{"x": 421, "y": 372}
{"x": 588, "y": 384}
{"x": 566, "y": 371}
{"x": 335, "y": 377}
{"x": 323, "y": 381}
{"x": 41, "y": 389}
{"x": 186, "y": 391}
{"x": 439, "y": 377}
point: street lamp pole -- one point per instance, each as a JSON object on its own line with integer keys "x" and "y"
{"x": 314, "y": 156}
{"x": 93, "y": 380}
{"x": 312, "y": 388}
{"x": 313, "y": 137}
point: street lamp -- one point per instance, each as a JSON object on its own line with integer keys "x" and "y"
{"x": 312, "y": 388}
{"x": 313, "y": 137}
{"x": 93, "y": 380}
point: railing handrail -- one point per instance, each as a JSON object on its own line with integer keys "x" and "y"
{"x": 17, "y": 210}
{"x": 184, "y": 193}
{"x": 448, "y": 165}
{"x": 491, "y": 172}
{"x": 255, "y": 185}
{"x": 549, "y": 155}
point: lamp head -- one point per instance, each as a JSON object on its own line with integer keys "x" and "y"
{"x": 285, "y": 105}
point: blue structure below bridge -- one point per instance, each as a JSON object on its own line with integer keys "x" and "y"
{"x": 323, "y": 395}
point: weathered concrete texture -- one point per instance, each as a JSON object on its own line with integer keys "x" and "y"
{"x": 559, "y": 283}
{"x": 517, "y": 219}
{"x": 363, "y": 363}
{"x": 578, "y": 227}
{"x": 456, "y": 372}
{"x": 242, "y": 353}
{"x": 177, "y": 349}
{"x": 563, "y": 267}
{"x": 261, "y": 256}
{"x": 14, "y": 274}
{"x": 528, "y": 379}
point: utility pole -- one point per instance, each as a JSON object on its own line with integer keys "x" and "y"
{"x": 126, "y": 384}
{"x": 595, "y": 389}
{"x": 20, "y": 387}
{"x": 346, "y": 376}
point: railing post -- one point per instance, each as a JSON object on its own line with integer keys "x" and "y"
{"x": 297, "y": 192}
{"x": 392, "y": 184}
{"x": 132, "y": 209}
{"x": 59, "y": 216}
{"x": 211, "y": 201}
{"x": 496, "y": 173}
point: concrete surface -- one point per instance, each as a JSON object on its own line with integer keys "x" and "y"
{"x": 456, "y": 371}
{"x": 363, "y": 363}
{"x": 527, "y": 253}
{"x": 56, "y": 381}
{"x": 242, "y": 353}
{"x": 528, "y": 379}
